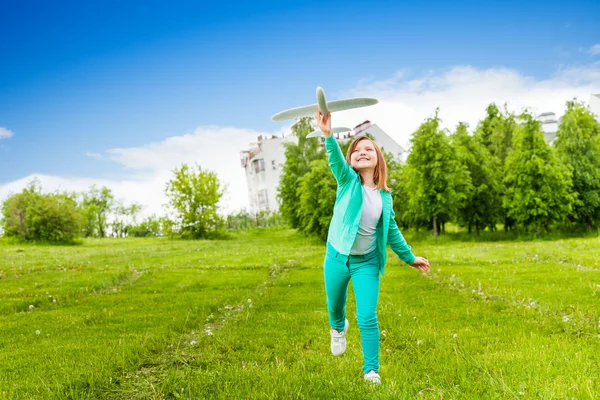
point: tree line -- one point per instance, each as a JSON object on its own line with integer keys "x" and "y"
{"x": 502, "y": 174}
{"x": 193, "y": 196}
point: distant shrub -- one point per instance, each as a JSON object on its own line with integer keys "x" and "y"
{"x": 34, "y": 216}
{"x": 151, "y": 226}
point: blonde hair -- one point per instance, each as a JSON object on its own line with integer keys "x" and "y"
{"x": 380, "y": 175}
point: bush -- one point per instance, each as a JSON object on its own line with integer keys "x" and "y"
{"x": 34, "y": 216}
{"x": 151, "y": 226}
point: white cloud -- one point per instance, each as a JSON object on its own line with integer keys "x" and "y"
{"x": 94, "y": 155}
{"x": 406, "y": 100}
{"x": 462, "y": 93}
{"x": 213, "y": 148}
{"x": 5, "y": 133}
{"x": 146, "y": 191}
{"x": 595, "y": 49}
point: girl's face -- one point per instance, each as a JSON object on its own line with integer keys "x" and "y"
{"x": 364, "y": 156}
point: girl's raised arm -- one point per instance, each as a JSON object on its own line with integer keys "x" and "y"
{"x": 340, "y": 168}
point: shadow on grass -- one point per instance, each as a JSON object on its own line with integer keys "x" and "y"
{"x": 500, "y": 236}
{"x": 10, "y": 241}
{"x": 453, "y": 235}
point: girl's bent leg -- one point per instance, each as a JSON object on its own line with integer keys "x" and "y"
{"x": 365, "y": 280}
{"x": 337, "y": 277}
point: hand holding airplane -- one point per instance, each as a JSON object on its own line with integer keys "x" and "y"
{"x": 324, "y": 123}
{"x": 325, "y": 108}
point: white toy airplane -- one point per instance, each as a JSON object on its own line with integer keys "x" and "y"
{"x": 325, "y": 107}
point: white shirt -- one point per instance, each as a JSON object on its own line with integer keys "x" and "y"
{"x": 366, "y": 238}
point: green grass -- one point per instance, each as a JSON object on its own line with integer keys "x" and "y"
{"x": 246, "y": 318}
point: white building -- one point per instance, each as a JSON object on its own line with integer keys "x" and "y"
{"x": 263, "y": 163}
{"x": 595, "y": 105}
{"x": 264, "y": 160}
{"x": 550, "y": 123}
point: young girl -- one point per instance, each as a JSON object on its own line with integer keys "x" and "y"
{"x": 362, "y": 225}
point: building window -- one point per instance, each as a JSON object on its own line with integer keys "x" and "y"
{"x": 273, "y": 164}
{"x": 259, "y": 166}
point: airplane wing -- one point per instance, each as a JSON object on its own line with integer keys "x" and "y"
{"x": 294, "y": 113}
{"x": 333, "y": 106}
{"x": 347, "y": 104}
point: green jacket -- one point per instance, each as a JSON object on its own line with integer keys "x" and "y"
{"x": 348, "y": 207}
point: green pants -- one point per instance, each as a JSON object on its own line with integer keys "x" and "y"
{"x": 364, "y": 272}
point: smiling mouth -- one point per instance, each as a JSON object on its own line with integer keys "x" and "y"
{"x": 362, "y": 159}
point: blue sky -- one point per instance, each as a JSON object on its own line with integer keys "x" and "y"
{"x": 78, "y": 79}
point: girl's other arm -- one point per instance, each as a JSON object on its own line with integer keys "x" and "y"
{"x": 402, "y": 249}
{"x": 340, "y": 168}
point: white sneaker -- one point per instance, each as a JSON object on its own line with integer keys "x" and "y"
{"x": 338, "y": 340}
{"x": 373, "y": 377}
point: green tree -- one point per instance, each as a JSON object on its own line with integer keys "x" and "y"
{"x": 96, "y": 207}
{"x": 194, "y": 195}
{"x": 34, "y": 216}
{"x": 150, "y": 226}
{"x": 298, "y": 157}
{"x": 482, "y": 207}
{"x": 578, "y": 145}
{"x": 124, "y": 218}
{"x": 502, "y": 138}
{"x": 169, "y": 227}
{"x": 538, "y": 184}
{"x": 495, "y": 132}
{"x": 398, "y": 184}
{"x": 438, "y": 183}
{"x": 317, "y": 198}
{"x": 487, "y": 126}
{"x": 242, "y": 219}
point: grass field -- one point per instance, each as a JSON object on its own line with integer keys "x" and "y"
{"x": 246, "y": 318}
